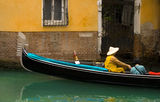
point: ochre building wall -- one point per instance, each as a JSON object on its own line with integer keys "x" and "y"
{"x": 148, "y": 41}
{"x": 150, "y": 13}
{"x": 26, "y": 16}
{"x": 54, "y": 42}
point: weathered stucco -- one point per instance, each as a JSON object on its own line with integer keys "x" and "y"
{"x": 147, "y": 43}
{"x": 60, "y": 45}
{"x": 26, "y": 16}
{"x": 57, "y": 45}
{"x": 150, "y": 39}
{"x": 150, "y": 12}
{"x": 55, "y": 41}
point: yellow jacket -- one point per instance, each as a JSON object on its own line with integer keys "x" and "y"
{"x": 114, "y": 65}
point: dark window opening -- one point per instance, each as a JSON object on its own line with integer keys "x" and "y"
{"x": 55, "y": 12}
{"x": 47, "y": 9}
{"x": 57, "y": 9}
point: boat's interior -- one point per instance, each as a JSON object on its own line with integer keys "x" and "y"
{"x": 89, "y": 67}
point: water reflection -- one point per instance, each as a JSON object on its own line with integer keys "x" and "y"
{"x": 73, "y": 91}
{"x": 32, "y": 87}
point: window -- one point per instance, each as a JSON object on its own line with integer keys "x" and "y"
{"x": 55, "y": 12}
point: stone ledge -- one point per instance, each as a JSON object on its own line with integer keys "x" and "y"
{"x": 10, "y": 65}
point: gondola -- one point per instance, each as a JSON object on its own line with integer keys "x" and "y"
{"x": 82, "y": 72}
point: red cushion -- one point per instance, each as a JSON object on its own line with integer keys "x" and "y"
{"x": 154, "y": 73}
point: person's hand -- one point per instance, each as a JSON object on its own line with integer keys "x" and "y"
{"x": 129, "y": 66}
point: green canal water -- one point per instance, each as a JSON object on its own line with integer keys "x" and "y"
{"x": 22, "y": 86}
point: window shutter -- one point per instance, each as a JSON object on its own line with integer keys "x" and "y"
{"x": 47, "y": 8}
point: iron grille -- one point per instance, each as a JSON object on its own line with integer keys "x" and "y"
{"x": 55, "y": 13}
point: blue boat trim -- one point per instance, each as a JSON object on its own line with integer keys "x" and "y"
{"x": 94, "y": 68}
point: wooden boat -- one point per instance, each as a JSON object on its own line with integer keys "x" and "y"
{"x": 33, "y": 62}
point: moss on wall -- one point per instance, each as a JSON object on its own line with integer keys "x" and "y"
{"x": 10, "y": 65}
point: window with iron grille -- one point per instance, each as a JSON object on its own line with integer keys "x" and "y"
{"x": 55, "y": 12}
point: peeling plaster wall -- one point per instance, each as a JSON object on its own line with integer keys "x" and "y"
{"x": 55, "y": 42}
{"x": 57, "y": 45}
{"x": 150, "y": 39}
{"x": 147, "y": 43}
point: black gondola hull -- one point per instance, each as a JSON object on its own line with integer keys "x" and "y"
{"x": 88, "y": 75}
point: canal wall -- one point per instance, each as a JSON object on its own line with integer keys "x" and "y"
{"x": 56, "y": 45}
{"x": 147, "y": 44}
{"x": 60, "y": 45}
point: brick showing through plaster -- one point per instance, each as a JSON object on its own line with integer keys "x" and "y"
{"x": 57, "y": 45}
{"x": 60, "y": 45}
{"x": 8, "y": 43}
{"x": 147, "y": 44}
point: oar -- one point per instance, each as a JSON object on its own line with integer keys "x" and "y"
{"x": 76, "y": 58}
